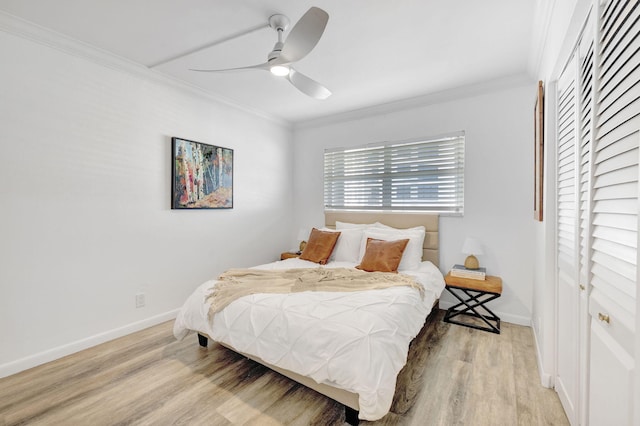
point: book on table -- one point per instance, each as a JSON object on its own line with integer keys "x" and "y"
{"x": 474, "y": 274}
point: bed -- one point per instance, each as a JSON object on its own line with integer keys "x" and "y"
{"x": 348, "y": 345}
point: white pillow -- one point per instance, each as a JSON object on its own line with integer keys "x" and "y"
{"x": 346, "y": 225}
{"x": 415, "y": 228}
{"x": 347, "y": 247}
{"x": 412, "y": 256}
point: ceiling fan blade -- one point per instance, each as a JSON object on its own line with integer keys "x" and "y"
{"x": 264, "y": 66}
{"x": 308, "y": 86}
{"x": 304, "y": 35}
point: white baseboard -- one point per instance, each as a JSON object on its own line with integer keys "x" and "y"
{"x": 513, "y": 319}
{"x": 31, "y": 361}
{"x": 546, "y": 379}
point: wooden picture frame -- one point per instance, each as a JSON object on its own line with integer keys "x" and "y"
{"x": 538, "y": 164}
{"x": 201, "y": 175}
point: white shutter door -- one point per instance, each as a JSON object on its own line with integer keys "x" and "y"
{"x": 566, "y": 179}
{"x": 586, "y": 124}
{"x": 615, "y": 189}
{"x": 615, "y": 215}
{"x": 567, "y": 249}
{"x": 585, "y": 131}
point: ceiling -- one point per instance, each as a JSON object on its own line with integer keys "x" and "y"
{"x": 372, "y": 51}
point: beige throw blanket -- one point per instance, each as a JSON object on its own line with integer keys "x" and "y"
{"x": 236, "y": 283}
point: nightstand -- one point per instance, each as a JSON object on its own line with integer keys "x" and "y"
{"x": 474, "y": 294}
{"x": 289, "y": 255}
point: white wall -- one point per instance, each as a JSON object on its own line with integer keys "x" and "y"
{"x": 85, "y": 218}
{"x": 498, "y": 123}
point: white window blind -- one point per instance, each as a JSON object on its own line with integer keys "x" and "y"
{"x": 424, "y": 175}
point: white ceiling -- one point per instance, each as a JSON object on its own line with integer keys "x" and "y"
{"x": 372, "y": 51}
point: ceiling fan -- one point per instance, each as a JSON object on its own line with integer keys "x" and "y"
{"x": 302, "y": 38}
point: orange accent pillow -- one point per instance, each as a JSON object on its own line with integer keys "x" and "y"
{"x": 320, "y": 246}
{"x": 382, "y": 256}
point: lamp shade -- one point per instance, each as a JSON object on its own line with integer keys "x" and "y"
{"x": 472, "y": 246}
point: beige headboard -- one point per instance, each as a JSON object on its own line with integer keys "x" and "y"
{"x": 430, "y": 249}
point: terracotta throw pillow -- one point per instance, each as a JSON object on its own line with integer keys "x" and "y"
{"x": 382, "y": 256}
{"x": 319, "y": 246}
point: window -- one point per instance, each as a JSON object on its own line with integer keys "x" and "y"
{"x": 420, "y": 175}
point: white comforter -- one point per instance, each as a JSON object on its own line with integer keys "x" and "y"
{"x": 356, "y": 341}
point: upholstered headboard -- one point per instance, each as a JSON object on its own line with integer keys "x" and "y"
{"x": 430, "y": 249}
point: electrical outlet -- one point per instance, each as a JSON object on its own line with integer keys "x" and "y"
{"x": 139, "y": 300}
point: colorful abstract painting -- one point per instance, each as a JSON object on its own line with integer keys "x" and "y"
{"x": 202, "y": 176}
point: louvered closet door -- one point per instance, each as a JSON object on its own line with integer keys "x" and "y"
{"x": 585, "y": 88}
{"x": 567, "y": 274}
{"x": 615, "y": 215}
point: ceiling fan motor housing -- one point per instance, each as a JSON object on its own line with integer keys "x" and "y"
{"x": 275, "y": 53}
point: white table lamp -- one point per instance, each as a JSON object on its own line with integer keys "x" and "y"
{"x": 472, "y": 247}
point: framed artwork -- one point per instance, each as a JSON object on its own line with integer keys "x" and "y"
{"x": 201, "y": 176}
{"x": 538, "y": 165}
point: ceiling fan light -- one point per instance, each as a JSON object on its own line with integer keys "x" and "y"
{"x": 280, "y": 70}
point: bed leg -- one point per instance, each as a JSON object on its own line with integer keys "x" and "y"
{"x": 350, "y": 416}
{"x": 202, "y": 340}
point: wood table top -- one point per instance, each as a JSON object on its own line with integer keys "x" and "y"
{"x": 491, "y": 284}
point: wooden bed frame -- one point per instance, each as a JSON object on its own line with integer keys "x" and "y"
{"x": 430, "y": 251}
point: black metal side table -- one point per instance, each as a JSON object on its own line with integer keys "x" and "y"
{"x": 473, "y": 296}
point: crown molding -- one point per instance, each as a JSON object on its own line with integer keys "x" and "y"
{"x": 541, "y": 22}
{"x": 38, "y": 34}
{"x": 462, "y": 92}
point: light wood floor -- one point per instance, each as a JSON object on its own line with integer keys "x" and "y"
{"x": 456, "y": 376}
